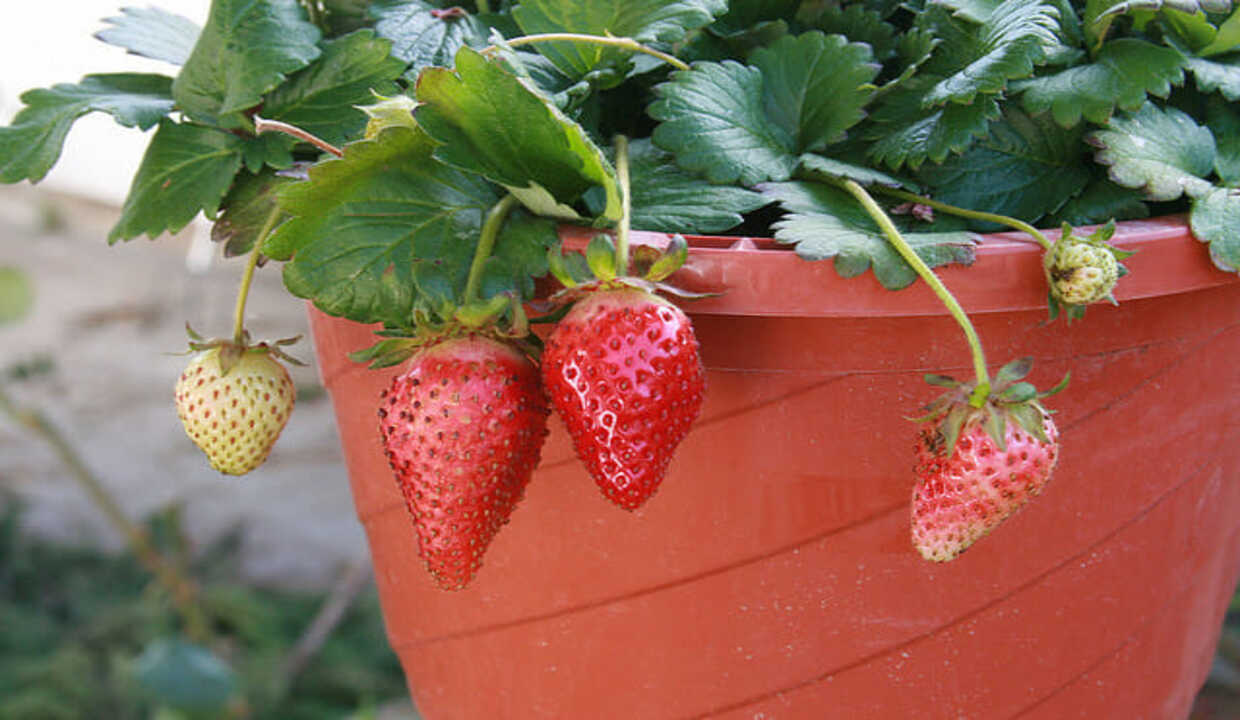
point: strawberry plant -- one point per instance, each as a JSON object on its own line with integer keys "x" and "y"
{"x": 407, "y": 163}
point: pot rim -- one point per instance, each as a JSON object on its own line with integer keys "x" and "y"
{"x": 762, "y": 277}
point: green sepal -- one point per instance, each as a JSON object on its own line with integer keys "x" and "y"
{"x": 996, "y": 426}
{"x": 1018, "y": 369}
{"x": 1030, "y": 417}
{"x": 386, "y": 353}
{"x": 1021, "y": 392}
{"x": 941, "y": 380}
{"x": 601, "y": 257}
{"x": 951, "y": 427}
{"x": 477, "y": 315}
{"x": 557, "y": 262}
{"x": 1059, "y": 387}
{"x": 671, "y": 260}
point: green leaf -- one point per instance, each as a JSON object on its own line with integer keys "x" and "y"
{"x": 492, "y": 124}
{"x": 271, "y": 149}
{"x": 904, "y": 133}
{"x": 423, "y": 35}
{"x": 819, "y": 167}
{"x": 1025, "y": 168}
{"x": 32, "y": 144}
{"x": 859, "y": 23}
{"x": 668, "y": 199}
{"x": 1221, "y": 74}
{"x": 1100, "y": 201}
{"x": 1006, "y": 46}
{"x": 16, "y": 295}
{"x": 185, "y": 676}
{"x": 743, "y": 15}
{"x": 246, "y": 49}
{"x": 1215, "y": 219}
{"x": 153, "y": 33}
{"x": 1162, "y": 151}
{"x": 363, "y": 222}
{"x": 322, "y": 99}
{"x": 520, "y": 255}
{"x": 186, "y": 169}
{"x": 646, "y": 21}
{"x": 1224, "y": 123}
{"x": 1193, "y": 31}
{"x": 815, "y": 86}
{"x": 246, "y": 211}
{"x": 1122, "y": 74}
{"x": 826, "y": 222}
{"x": 975, "y": 11}
{"x": 1227, "y": 38}
{"x": 713, "y": 119}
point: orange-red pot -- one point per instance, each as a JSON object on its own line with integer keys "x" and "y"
{"x": 772, "y": 576}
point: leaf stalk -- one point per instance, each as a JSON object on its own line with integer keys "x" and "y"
{"x": 626, "y": 205}
{"x": 623, "y": 43}
{"x": 486, "y": 245}
{"x": 1011, "y": 222}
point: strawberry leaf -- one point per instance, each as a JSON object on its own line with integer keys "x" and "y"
{"x": 664, "y": 21}
{"x": 246, "y": 49}
{"x": 815, "y": 86}
{"x": 1006, "y": 46}
{"x": 363, "y": 223}
{"x": 1123, "y": 73}
{"x": 153, "y": 33}
{"x": 817, "y": 167}
{"x": 713, "y": 119}
{"x": 1215, "y": 219}
{"x": 1224, "y": 123}
{"x": 1162, "y": 151}
{"x": 322, "y": 99}
{"x": 668, "y": 199}
{"x": 1100, "y": 201}
{"x": 32, "y": 144}
{"x": 422, "y": 35}
{"x": 1026, "y": 167}
{"x": 906, "y": 134}
{"x": 826, "y": 222}
{"x": 1226, "y": 39}
{"x": 1221, "y": 74}
{"x": 520, "y": 256}
{"x": 860, "y": 24}
{"x": 186, "y": 169}
{"x": 493, "y": 124}
{"x": 247, "y": 208}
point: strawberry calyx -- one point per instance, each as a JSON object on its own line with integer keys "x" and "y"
{"x": 1009, "y": 399}
{"x": 1081, "y": 271}
{"x": 595, "y": 270}
{"x": 231, "y": 351}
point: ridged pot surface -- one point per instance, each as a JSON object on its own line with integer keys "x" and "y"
{"x": 772, "y": 575}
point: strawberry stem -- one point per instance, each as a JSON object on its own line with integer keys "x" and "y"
{"x": 912, "y": 258}
{"x": 262, "y": 125}
{"x": 247, "y": 278}
{"x": 626, "y": 206}
{"x": 486, "y": 245}
{"x": 618, "y": 42}
{"x": 971, "y": 214}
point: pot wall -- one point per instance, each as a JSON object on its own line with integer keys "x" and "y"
{"x": 772, "y": 575}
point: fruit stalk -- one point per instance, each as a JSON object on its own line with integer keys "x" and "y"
{"x": 619, "y": 42}
{"x": 945, "y": 296}
{"x": 180, "y": 589}
{"x": 626, "y": 205}
{"x": 1011, "y": 222}
{"x": 486, "y": 245}
{"x": 262, "y": 125}
{"x": 247, "y": 278}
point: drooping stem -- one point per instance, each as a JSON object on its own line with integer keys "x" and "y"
{"x": 486, "y": 245}
{"x": 247, "y": 278}
{"x": 626, "y": 205}
{"x": 617, "y": 42}
{"x": 181, "y": 590}
{"x": 940, "y": 290}
{"x": 1011, "y": 222}
{"x": 263, "y": 125}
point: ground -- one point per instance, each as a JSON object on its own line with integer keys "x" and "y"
{"x": 110, "y": 320}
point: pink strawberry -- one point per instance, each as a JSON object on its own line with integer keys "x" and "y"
{"x": 960, "y": 498}
{"x": 622, "y": 369}
{"x": 234, "y": 401}
{"x": 463, "y": 427}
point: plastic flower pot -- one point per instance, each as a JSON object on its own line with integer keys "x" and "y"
{"x": 772, "y": 576}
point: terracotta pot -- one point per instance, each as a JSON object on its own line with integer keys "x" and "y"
{"x": 772, "y": 576}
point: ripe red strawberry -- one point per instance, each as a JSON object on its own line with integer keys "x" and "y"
{"x": 463, "y": 427}
{"x": 623, "y": 371}
{"x": 235, "y": 416}
{"x": 960, "y": 498}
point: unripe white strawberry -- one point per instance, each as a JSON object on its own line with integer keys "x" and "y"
{"x": 1083, "y": 270}
{"x": 235, "y": 416}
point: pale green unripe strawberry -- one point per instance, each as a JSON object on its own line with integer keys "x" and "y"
{"x": 1083, "y": 270}
{"x": 235, "y": 417}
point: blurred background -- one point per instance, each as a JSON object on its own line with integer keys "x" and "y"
{"x": 245, "y": 598}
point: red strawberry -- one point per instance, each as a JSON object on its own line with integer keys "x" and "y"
{"x": 963, "y": 493}
{"x": 235, "y": 405}
{"x": 463, "y": 427}
{"x": 623, "y": 371}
